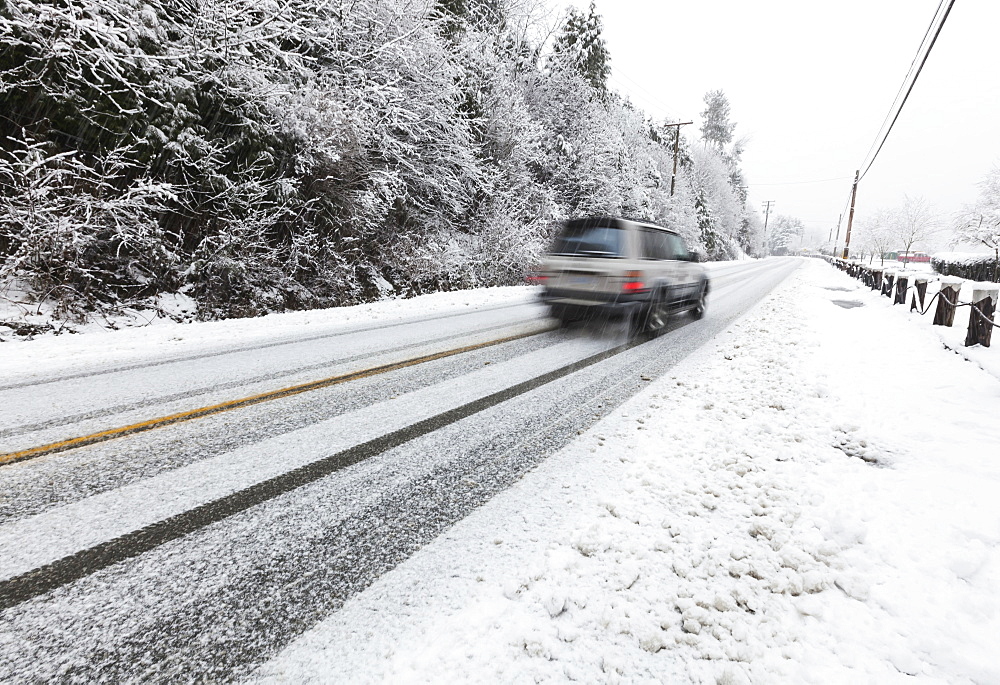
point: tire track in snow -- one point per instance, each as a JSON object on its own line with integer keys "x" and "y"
{"x": 32, "y": 583}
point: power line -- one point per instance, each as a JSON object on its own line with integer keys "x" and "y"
{"x": 930, "y": 47}
{"x": 636, "y": 97}
{"x": 798, "y": 183}
{"x": 906, "y": 78}
{"x": 653, "y": 99}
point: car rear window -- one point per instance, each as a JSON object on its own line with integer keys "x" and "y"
{"x": 590, "y": 240}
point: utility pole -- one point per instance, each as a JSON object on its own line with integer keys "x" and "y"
{"x": 767, "y": 212}
{"x": 677, "y": 144}
{"x": 850, "y": 217}
{"x": 840, "y": 217}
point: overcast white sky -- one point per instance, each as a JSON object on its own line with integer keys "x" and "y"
{"x": 810, "y": 83}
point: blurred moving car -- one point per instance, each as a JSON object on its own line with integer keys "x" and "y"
{"x": 621, "y": 268}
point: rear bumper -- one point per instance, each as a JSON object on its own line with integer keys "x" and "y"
{"x": 618, "y": 304}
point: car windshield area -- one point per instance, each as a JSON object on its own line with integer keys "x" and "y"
{"x": 589, "y": 240}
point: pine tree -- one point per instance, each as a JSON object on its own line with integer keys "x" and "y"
{"x": 716, "y": 129}
{"x": 581, "y": 43}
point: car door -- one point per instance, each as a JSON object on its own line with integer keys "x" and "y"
{"x": 661, "y": 272}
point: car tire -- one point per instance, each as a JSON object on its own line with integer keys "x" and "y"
{"x": 652, "y": 319}
{"x": 565, "y": 315}
{"x": 700, "y": 303}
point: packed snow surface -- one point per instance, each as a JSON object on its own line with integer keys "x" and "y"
{"x": 812, "y": 498}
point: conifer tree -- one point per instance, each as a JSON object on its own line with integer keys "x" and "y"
{"x": 581, "y": 43}
{"x": 716, "y": 129}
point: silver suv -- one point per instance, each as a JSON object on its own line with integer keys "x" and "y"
{"x": 621, "y": 268}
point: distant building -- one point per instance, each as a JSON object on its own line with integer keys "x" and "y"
{"x": 906, "y": 257}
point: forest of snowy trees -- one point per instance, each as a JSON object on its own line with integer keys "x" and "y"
{"x": 260, "y": 155}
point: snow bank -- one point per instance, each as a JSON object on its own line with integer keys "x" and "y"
{"x": 764, "y": 514}
{"x": 98, "y": 346}
{"x": 964, "y": 258}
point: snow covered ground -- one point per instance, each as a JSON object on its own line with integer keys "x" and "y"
{"x": 812, "y": 498}
{"x": 952, "y": 337}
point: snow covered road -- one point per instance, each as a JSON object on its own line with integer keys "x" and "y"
{"x": 142, "y": 587}
{"x": 811, "y": 498}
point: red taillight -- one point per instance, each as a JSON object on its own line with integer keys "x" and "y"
{"x": 536, "y": 278}
{"x": 633, "y": 282}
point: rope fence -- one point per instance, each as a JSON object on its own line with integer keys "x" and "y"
{"x": 897, "y": 286}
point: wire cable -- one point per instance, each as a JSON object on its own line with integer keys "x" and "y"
{"x": 798, "y": 183}
{"x": 650, "y": 97}
{"x": 906, "y": 78}
{"x": 930, "y": 47}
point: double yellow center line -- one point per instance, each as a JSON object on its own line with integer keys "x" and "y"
{"x": 142, "y": 426}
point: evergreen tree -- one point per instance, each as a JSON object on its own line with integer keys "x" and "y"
{"x": 580, "y": 42}
{"x": 716, "y": 129}
{"x": 782, "y": 234}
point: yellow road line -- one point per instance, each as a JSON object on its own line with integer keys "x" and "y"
{"x": 142, "y": 426}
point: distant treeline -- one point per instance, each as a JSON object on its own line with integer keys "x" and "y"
{"x": 261, "y": 155}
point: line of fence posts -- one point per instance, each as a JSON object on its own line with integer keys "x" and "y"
{"x": 896, "y": 285}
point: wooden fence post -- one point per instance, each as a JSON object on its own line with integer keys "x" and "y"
{"x": 901, "y": 285}
{"x": 887, "y": 287}
{"x": 944, "y": 315}
{"x": 920, "y": 282}
{"x": 876, "y": 279}
{"x": 980, "y": 330}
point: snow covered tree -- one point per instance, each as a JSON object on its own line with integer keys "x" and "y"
{"x": 269, "y": 155}
{"x": 581, "y": 44}
{"x": 979, "y": 223}
{"x": 782, "y": 234}
{"x": 716, "y": 128}
{"x": 914, "y": 222}
{"x": 875, "y": 235}
{"x": 751, "y": 234}
{"x": 718, "y": 205}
